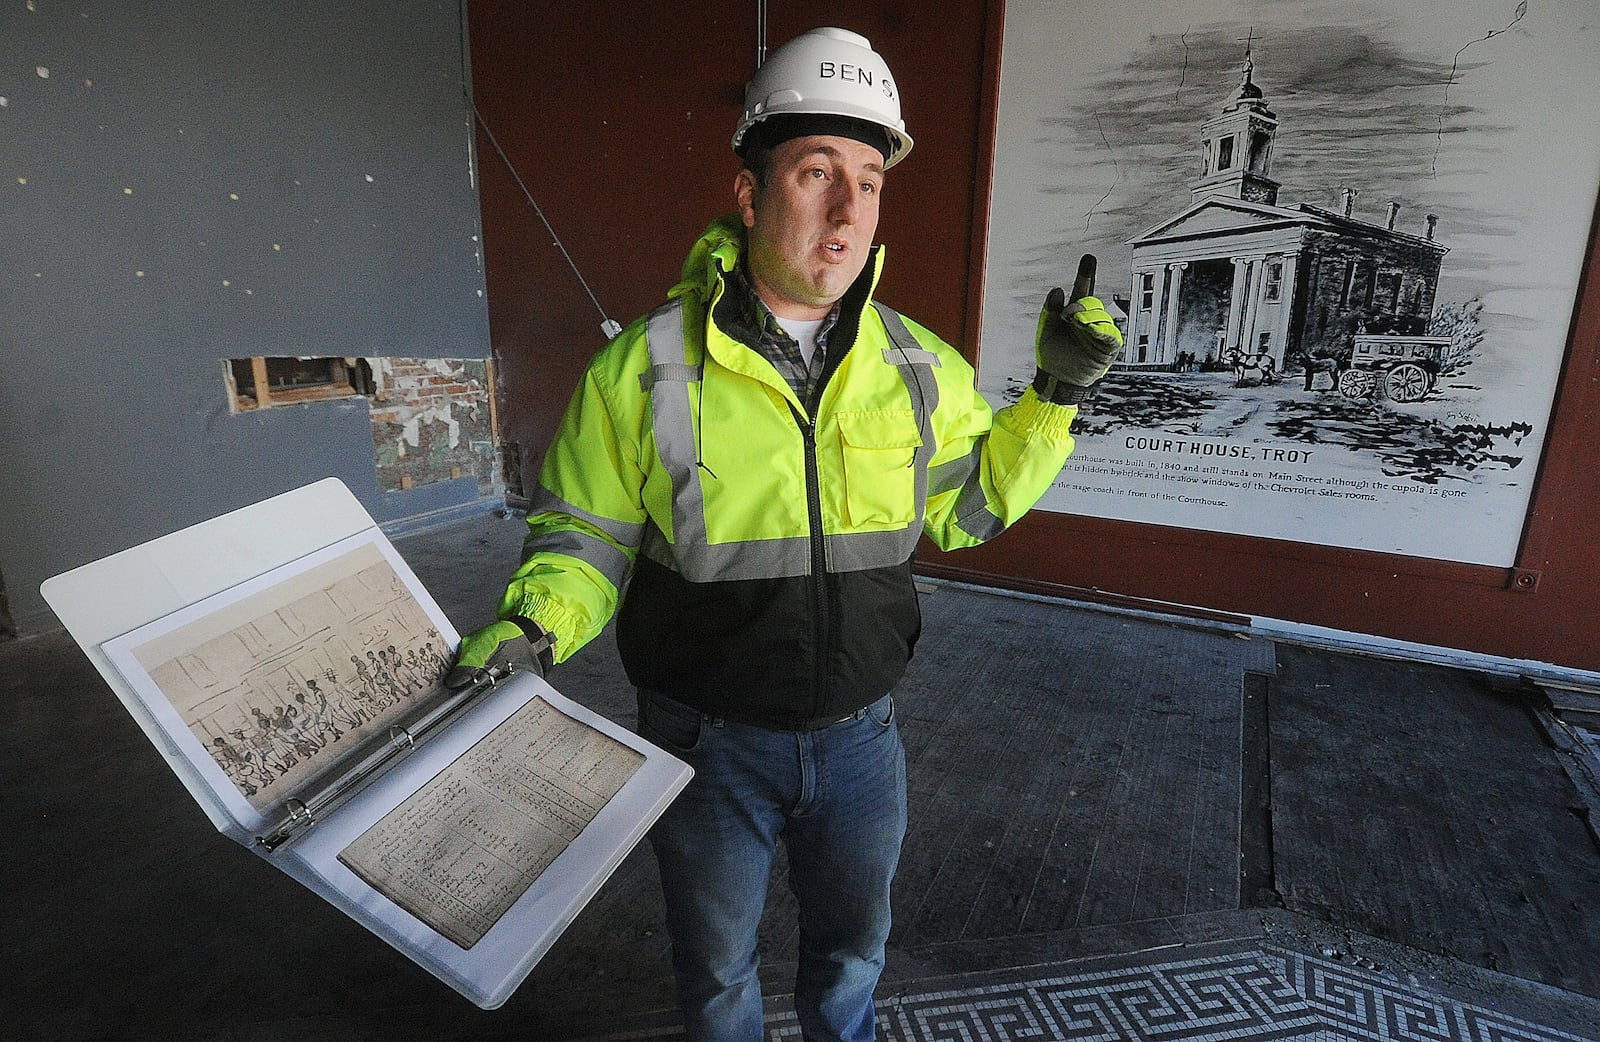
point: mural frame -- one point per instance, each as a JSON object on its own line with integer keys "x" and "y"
{"x": 1537, "y": 615}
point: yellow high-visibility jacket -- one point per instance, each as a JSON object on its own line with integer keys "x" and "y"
{"x": 765, "y": 552}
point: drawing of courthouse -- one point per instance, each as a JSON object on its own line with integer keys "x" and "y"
{"x": 1236, "y": 274}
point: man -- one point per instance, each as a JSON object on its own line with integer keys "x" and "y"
{"x": 754, "y": 462}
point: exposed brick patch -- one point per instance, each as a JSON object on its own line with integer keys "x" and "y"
{"x": 430, "y": 422}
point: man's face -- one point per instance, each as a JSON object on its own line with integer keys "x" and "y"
{"x": 811, "y": 227}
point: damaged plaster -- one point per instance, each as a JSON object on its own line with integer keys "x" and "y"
{"x": 430, "y": 421}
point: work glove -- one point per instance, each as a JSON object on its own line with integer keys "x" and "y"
{"x": 1076, "y": 342}
{"x": 522, "y": 643}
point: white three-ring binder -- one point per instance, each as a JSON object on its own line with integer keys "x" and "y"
{"x": 287, "y": 664}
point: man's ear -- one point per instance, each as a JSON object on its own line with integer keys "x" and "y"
{"x": 744, "y": 194}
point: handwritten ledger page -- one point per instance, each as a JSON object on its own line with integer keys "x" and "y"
{"x": 460, "y": 851}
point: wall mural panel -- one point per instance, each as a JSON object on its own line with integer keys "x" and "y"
{"x": 1343, "y": 241}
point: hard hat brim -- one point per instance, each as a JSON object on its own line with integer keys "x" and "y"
{"x": 898, "y": 141}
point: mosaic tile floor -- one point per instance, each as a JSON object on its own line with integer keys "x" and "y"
{"x": 1269, "y": 993}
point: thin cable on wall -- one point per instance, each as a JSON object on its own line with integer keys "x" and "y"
{"x": 608, "y": 325}
{"x": 761, "y": 33}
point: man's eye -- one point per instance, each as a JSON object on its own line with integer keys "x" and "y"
{"x": 869, "y": 188}
{"x": 816, "y": 173}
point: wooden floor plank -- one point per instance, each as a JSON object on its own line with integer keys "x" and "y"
{"x": 1419, "y": 805}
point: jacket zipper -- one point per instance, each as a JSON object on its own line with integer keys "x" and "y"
{"x": 818, "y": 585}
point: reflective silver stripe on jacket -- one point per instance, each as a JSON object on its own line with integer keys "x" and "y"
{"x": 599, "y": 554}
{"x": 672, "y": 421}
{"x": 612, "y": 562}
{"x": 972, "y": 512}
{"x": 953, "y": 474}
{"x": 546, "y": 502}
{"x": 916, "y": 366}
{"x": 779, "y": 558}
{"x": 971, "y": 509}
{"x": 668, "y": 372}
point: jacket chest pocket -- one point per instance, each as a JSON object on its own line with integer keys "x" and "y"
{"x": 878, "y": 450}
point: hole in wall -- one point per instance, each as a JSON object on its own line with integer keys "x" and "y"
{"x": 261, "y": 383}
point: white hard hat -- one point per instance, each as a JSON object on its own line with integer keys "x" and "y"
{"x": 827, "y": 72}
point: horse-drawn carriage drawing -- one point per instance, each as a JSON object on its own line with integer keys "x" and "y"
{"x": 1404, "y": 367}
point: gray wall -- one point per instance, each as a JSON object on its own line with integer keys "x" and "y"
{"x": 290, "y": 178}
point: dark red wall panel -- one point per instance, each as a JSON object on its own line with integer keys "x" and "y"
{"x": 616, "y": 116}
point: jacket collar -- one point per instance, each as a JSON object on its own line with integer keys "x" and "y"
{"x": 709, "y": 274}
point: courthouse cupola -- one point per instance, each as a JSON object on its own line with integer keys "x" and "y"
{"x": 1236, "y": 147}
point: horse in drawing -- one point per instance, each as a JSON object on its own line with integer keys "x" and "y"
{"x": 1312, "y": 364}
{"x": 1258, "y": 362}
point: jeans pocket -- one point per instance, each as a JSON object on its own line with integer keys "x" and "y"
{"x": 881, "y": 712}
{"x": 668, "y": 723}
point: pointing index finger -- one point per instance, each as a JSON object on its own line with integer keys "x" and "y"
{"x": 1083, "y": 285}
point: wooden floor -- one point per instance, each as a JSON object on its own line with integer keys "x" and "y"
{"x": 1419, "y": 804}
{"x": 1068, "y": 773}
{"x": 1083, "y": 784}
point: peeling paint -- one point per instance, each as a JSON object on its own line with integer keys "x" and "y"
{"x": 411, "y": 432}
{"x": 430, "y": 421}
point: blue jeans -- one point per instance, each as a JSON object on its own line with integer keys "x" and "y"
{"x": 837, "y": 796}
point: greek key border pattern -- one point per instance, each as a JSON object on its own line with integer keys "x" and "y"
{"x": 1367, "y": 1006}
{"x": 1257, "y": 995}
